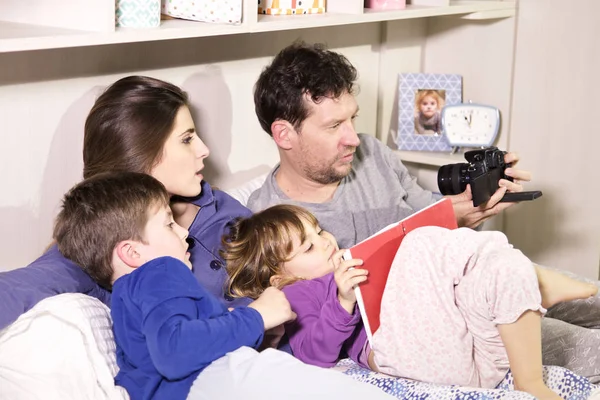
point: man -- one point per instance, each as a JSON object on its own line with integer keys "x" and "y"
{"x": 355, "y": 185}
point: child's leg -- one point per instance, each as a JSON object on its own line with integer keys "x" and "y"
{"x": 501, "y": 301}
{"x": 523, "y": 342}
{"x": 275, "y": 375}
{"x": 423, "y": 335}
{"x": 556, "y": 287}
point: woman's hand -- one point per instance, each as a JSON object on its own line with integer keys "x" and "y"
{"x": 346, "y": 278}
{"x": 469, "y": 216}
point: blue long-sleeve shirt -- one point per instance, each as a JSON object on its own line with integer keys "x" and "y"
{"x": 53, "y": 274}
{"x": 168, "y": 328}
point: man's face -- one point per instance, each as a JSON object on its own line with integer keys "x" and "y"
{"x": 325, "y": 145}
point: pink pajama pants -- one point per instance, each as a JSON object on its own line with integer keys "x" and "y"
{"x": 446, "y": 292}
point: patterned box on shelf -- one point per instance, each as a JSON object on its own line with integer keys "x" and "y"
{"x": 137, "y": 13}
{"x": 218, "y": 11}
{"x": 291, "y": 7}
{"x": 385, "y": 4}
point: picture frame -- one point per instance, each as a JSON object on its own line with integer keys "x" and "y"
{"x": 421, "y": 98}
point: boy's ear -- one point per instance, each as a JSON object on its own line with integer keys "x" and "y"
{"x": 283, "y": 133}
{"x": 128, "y": 251}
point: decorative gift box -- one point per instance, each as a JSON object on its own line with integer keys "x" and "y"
{"x": 219, "y": 11}
{"x": 290, "y": 7}
{"x": 137, "y": 13}
{"x": 385, "y": 4}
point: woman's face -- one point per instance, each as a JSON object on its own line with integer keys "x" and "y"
{"x": 428, "y": 106}
{"x": 182, "y": 160}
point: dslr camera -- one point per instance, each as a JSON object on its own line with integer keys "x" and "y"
{"x": 483, "y": 169}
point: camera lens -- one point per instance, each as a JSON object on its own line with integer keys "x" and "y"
{"x": 453, "y": 178}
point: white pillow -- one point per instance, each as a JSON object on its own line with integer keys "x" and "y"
{"x": 63, "y": 348}
{"x": 243, "y": 192}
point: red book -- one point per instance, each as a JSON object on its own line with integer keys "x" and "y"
{"x": 378, "y": 252}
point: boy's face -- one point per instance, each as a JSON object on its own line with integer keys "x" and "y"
{"x": 315, "y": 256}
{"x": 164, "y": 237}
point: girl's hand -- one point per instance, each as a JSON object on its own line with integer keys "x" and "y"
{"x": 346, "y": 278}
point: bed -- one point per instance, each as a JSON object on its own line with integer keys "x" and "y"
{"x": 63, "y": 348}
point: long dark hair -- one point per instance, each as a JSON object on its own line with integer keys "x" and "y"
{"x": 129, "y": 124}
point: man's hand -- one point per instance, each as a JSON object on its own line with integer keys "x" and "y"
{"x": 346, "y": 278}
{"x": 469, "y": 216}
{"x": 274, "y": 308}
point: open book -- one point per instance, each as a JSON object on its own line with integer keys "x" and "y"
{"x": 378, "y": 252}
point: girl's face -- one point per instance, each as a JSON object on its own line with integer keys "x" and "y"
{"x": 428, "y": 106}
{"x": 312, "y": 258}
{"x": 182, "y": 158}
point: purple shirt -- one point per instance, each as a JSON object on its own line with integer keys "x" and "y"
{"x": 53, "y": 274}
{"x": 323, "y": 329}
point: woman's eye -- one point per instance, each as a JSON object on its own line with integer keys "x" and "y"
{"x": 188, "y": 140}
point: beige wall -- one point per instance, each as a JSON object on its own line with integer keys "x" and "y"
{"x": 45, "y": 96}
{"x": 554, "y": 127}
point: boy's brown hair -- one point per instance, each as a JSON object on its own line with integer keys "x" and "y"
{"x": 102, "y": 211}
{"x": 256, "y": 247}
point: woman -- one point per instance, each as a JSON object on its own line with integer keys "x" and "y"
{"x": 138, "y": 124}
{"x": 142, "y": 124}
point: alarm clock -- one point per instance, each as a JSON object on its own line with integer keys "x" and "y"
{"x": 470, "y": 124}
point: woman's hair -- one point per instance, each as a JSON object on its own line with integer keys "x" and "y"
{"x": 298, "y": 70}
{"x": 256, "y": 247}
{"x": 102, "y": 211}
{"x": 421, "y": 94}
{"x": 129, "y": 124}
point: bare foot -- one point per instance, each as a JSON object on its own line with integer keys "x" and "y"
{"x": 556, "y": 287}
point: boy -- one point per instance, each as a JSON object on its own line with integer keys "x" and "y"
{"x": 169, "y": 330}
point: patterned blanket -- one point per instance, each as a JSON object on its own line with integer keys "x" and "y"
{"x": 564, "y": 382}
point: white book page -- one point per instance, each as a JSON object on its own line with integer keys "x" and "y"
{"x": 359, "y": 299}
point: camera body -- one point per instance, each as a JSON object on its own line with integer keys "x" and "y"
{"x": 483, "y": 169}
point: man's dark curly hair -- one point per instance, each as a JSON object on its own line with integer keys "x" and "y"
{"x": 298, "y": 70}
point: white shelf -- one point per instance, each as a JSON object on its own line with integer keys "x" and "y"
{"x": 23, "y": 37}
{"x": 430, "y": 158}
{"x": 495, "y": 9}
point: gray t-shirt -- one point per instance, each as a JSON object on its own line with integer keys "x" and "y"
{"x": 378, "y": 192}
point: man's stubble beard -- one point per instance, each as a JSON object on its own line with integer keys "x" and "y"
{"x": 327, "y": 174}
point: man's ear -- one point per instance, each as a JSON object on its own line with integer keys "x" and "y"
{"x": 283, "y": 133}
{"x": 128, "y": 251}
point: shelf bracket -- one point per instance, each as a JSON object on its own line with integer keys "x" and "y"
{"x": 490, "y": 14}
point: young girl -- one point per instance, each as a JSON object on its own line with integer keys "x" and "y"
{"x": 428, "y": 107}
{"x": 458, "y": 308}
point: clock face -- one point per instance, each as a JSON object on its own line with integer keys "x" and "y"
{"x": 470, "y": 125}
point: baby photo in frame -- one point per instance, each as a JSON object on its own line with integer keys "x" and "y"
{"x": 421, "y": 98}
